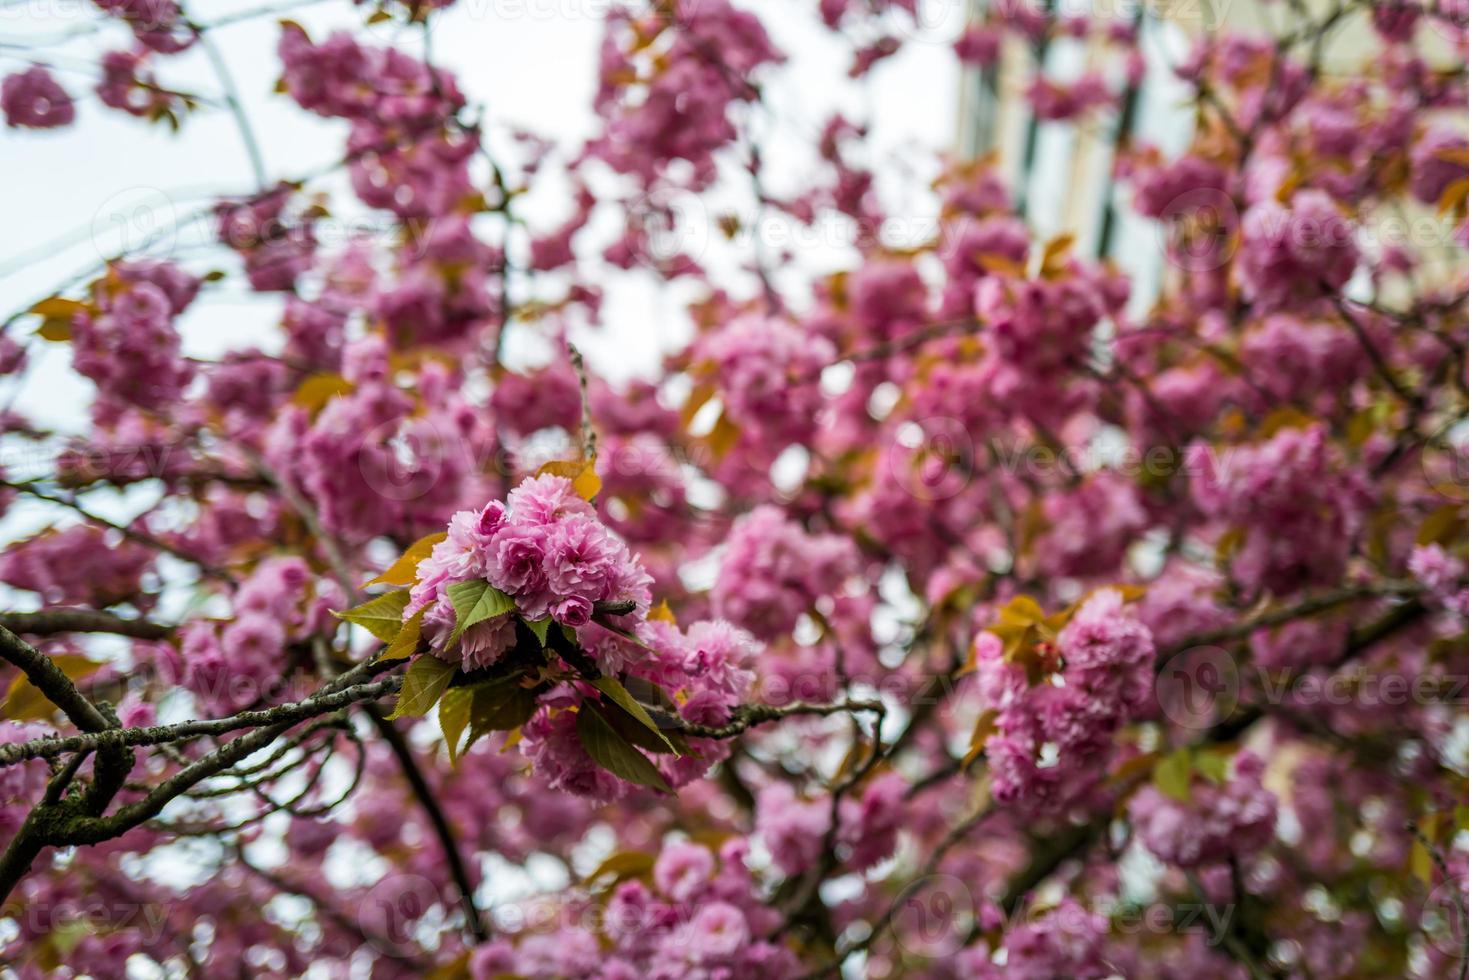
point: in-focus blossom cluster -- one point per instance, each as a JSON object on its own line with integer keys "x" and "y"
{"x": 545, "y": 548}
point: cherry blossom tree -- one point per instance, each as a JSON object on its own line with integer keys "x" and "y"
{"x": 970, "y": 610}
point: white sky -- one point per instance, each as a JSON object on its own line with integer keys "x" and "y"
{"x": 532, "y": 63}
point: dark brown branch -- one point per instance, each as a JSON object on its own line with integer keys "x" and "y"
{"x": 296, "y": 711}
{"x": 79, "y": 819}
{"x": 747, "y": 716}
{"x": 48, "y": 678}
{"x": 425, "y": 796}
{"x": 588, "y": 432}
{"x": 64, "y": 620}
{"x": 110, "y": 770}
{"x": 1308, "y": 606}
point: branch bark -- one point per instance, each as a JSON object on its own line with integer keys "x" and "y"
{"x": 48, "y": 622}
{"x": 317, "y": 704}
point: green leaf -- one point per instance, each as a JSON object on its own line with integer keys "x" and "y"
{"x": 1213, "y": 765}
{"x": 634, "y": 731}
{"x": 427, "y": 678}
{"x": 454, "y": 718}
{"x": 650, "y": 695}
{"x": 474, "y": 602}
{"x": 382, "y": 617}
{"x": 405, "y": 644}
{"x": 540, "y": 627}
{"x": 613, "y": 753}
{"x": 499, "y": 706}
{"x": 625, "y": 634}
{"x": 1173, "y": 774}
{"x": 613, "y": 688}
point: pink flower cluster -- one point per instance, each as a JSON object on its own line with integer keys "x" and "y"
{"x": 676, "y": 108}
{"x": 1236, "y": 817}
{"x": 979, "y": 45}
{"x": 1296, "y": 254}
{"x": 710, "y": 667}
{"x": 1038, "y": 332}
{"x": 379, "y": 459}
{"x": 1106, "y": 658}
{"x": 1090, "y": 528}
{"x": 1041, "y": 324}
{"x": 1066, "y": 941}
{"x": 773, "y": 572}
{"x": 126, "y": 85}
{"x": 80, "y": 565}
{"x": 544, "y": 547}
{"x": 1439, "y": 159}
{"x": 1295, "y": 358}
{"x": 242, "y": 663}
{"x": 549, "y": 740}
{"x": 33, "y": 98}
{"x": 702, "y": 915}
{"x": 406, "y": 154}
{"x": 129, "y": 346}
{"x": 340, "y": 77}
{"x": 1298, "y": 506}
{"x": 998, "y": 237}
{"x": 1188, "y": 182}
{"x": 794, "y": 829}
{"x": 158, "y": 25}
{"x": 706, "y": 670}
{"x": 275, "y": 247}
{"x": 1442, "y": 575}
{"x": 441, "y": 291}
{"x": 768, "y": 372}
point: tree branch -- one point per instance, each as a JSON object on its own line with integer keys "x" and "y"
{"x": 48, "y": 678}
{"x": 747, "y": 716}
{"x": 47, "y": 622}
{"x": 296, "y": 711}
